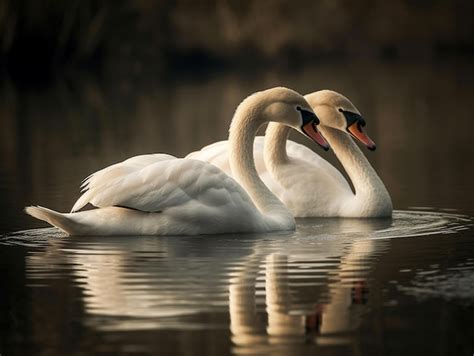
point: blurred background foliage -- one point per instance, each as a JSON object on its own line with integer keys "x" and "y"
{"x": 55, "y": 35}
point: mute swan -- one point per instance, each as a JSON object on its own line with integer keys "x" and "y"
{"x": 159, "y": 194}
{"x": 305, "y": 182}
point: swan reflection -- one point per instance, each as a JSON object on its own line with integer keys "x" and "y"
{"x": 289, "y": 289}
{"x": 335, "y": 310}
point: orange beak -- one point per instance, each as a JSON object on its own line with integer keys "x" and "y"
{"x": 311, "y": 130}
{"x": 356, "y": 131}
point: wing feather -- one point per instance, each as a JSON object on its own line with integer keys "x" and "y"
{"x": 115, "y": 172}
{"x": 162, "y": 184}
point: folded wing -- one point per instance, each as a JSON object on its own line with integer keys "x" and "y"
{"x": 153, "y": 183}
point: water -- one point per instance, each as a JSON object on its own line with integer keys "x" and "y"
{"x": 335, "y": 286}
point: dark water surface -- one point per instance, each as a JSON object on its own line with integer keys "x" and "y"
{"x": 335, "y": 286}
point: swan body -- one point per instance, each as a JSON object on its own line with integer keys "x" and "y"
{"x": 306, "y": 186}
{"x": 306, "y": 183}
{"x": 165, "y": 196}
{"x": 159, "y": 194}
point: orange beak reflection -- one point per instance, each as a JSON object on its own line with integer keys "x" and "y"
{"x": 356, "y": 131}
{"x": 311, "y": 130}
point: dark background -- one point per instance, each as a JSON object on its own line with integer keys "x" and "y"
{"x": 43, "y": 38}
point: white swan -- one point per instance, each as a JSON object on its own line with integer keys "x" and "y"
{"x": 159, "y": 194}
{"x": 305, "y": 182}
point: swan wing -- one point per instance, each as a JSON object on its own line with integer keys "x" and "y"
{"x": 108, "y": 175}
{"x": 163, "y": 184}
{"x": 217, "y": 154}
{"x": 120, "y": 169}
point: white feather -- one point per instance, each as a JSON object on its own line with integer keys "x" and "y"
{"x": 159, "y": 194}
{"x": 305, "y": 182}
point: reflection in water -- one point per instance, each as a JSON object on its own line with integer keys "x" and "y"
{"x": 284, "y": 293}
{"x": 348, "y": 290}
{"x": 339, "y": 272}
{"x": 150, "y": 288}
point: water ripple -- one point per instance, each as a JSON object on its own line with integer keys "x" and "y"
{"x": 311, "y": 285}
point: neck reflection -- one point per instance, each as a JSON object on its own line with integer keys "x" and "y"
{"x": 292, "y": 317}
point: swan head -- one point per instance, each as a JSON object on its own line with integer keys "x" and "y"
{"x": 290, "y": 108}
{"x": 336, "y": 111}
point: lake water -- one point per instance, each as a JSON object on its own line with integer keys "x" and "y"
{"x": 333, "y": 287}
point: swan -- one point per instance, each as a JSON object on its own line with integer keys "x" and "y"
{"x": 306, "y": 183}
{"x": 158, "y": 194}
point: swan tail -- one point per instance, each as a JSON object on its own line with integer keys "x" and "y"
{"x": 54, "y": 218}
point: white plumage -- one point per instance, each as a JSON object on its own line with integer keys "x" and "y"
{"x": 307, "y": 185}
{"x": 305, "y": 182}
{"x": 159, "y": 194}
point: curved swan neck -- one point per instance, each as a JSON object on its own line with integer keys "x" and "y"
{"x": 369, "y": 188}
{"x": 274, "y": 151}
{"x": 243, "y": 129}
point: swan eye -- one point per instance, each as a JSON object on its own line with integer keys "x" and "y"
{"x": 341, "y": 110}
{"x": 298, "y": 108}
